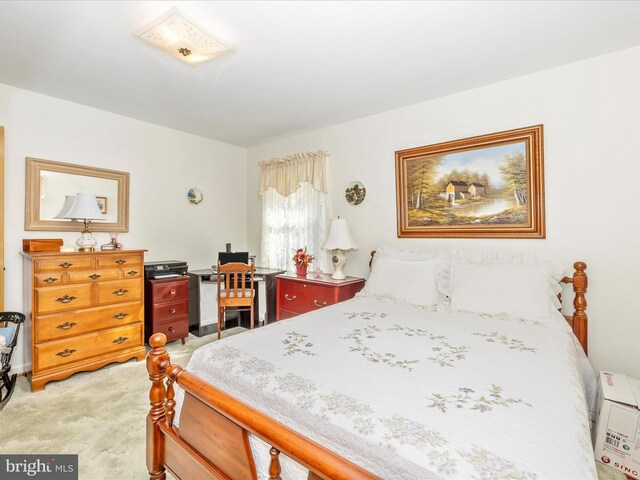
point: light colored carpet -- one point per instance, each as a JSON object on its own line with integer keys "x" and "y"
{"x": 99, "y": 415}
{"x": 609, "y": 473}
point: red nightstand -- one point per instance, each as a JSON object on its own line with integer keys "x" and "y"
{"x": 301, "y": 294}
{"x": 166, "y": 306}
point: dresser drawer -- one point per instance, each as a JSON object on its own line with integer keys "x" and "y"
{"x": 163, "y": 312}
{"x": 53, "y": 327}
{"x": 63, "y": 263}
{"x": 164, "y": 291}
{"x": 132, "y": 271}
{"x": 122, "y": 260}
{"x": 82, "y": 347}
{"x": 117, "y": 291}
{"x": 48, "y": 279}
{"x": 83, "y": 276}
{"x": 302, "y": 297}
{"x": 62, "y": 298}
{"x": 173, "y": 329}
{"x": 284, "y": 314}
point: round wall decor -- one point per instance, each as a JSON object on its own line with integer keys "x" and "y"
{"x": 195, "y": 196}
{"x": 355, "y": 193}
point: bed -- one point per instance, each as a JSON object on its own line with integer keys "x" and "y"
{"x": 385, "y": 386}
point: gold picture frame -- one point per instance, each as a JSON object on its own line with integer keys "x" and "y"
{"x": 488, "y": 186}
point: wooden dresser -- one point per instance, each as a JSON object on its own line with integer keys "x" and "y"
{"x": 167, "y": 308}
{"x": 301, "y": 294}
{"x": 86, "y": 311}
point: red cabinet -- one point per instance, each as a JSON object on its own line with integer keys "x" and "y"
{"x": 301, "y": 294}
{"x": 167, "y": 308}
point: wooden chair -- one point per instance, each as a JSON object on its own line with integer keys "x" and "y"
{"x": 235, "y": 290}
{"x": 9, "y": 329}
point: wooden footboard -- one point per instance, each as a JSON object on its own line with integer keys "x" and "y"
{"x": 212, "y": 441}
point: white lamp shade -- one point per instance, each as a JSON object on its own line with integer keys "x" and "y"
{"x": 339, "y": 236}
{"x": 68, "y": 203}
{"x": 85, "y": 207}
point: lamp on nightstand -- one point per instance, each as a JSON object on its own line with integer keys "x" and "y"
{"x": 339, "y": 241}
{"x": 85, "y": 208}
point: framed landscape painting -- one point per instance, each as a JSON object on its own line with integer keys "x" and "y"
{"x": 486, "y": 186}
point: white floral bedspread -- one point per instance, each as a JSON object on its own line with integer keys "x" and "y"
{"x": 412, "y": 394}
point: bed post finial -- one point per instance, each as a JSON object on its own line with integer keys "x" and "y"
{"x": 157, "y": 360}
{"x": 580, "y": 285}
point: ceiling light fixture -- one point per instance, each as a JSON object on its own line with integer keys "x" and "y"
{"x": 182, "y": 38}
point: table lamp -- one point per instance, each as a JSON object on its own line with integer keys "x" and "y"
{"x": 85, "y": 208}
{"x": 339, "y": 241}
{"x": 69, "y": 200}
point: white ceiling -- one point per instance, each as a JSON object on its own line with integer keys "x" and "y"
{"x": 296, "y": 65}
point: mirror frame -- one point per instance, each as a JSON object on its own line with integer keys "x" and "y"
{"x": 32, "y": 196}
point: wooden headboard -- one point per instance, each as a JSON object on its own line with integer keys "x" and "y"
{"x": 578, "y": 321}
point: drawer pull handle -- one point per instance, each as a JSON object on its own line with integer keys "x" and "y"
{"x": 120, "y": 292}
{"x": 172, "y": 291}
{"x": 132, "y": 273}
{"x": 120, "y": 262}
{"x": 287, "y": 297}
{"x": 172, "y": 330}
{"x": 65, "y": 265}
{"x": 120, "y": 340}
{"x": 172, "y": 310}
{"x": 66, "y": 299}
{"x": 65, "y": 353}
{"x": 315, "y": 302}
{"x": 95, "y": 276}
{"x": 50, "y": 280}
{"x": 121, "y": 315}
{"x": 66, "y": 325}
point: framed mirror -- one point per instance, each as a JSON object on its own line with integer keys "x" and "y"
{"x": 49, "y": 183}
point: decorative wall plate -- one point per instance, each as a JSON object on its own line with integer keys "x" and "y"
{"x": 355, "y": 193}
{"x": 195, "y": 196}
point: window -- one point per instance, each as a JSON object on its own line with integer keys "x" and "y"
{"x": 291, "y": 222}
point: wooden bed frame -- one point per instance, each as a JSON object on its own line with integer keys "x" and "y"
{"x": 213, "y": 439}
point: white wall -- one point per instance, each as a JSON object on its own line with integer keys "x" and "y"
{"x": 164, "y": 164}
{"x": 590, "y": 111}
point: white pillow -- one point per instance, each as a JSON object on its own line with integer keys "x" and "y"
{"x": 411, "y": 281}
{"x": 517, "y": 290}
{"x": 407, "y": 254}
{"x": 557, "y": 269}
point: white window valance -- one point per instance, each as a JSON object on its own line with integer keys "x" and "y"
{"x": 286, "y": 174}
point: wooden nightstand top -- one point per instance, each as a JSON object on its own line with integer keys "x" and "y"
{"x": 323, "y": 279}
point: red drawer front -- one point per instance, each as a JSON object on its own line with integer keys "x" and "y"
{"x": 302, "y": 297}
{"x": 166, "y": 312}
{"x": 284, "y": 314}
{"x": 174, "y": 329}
{"x": 170, "y": 291}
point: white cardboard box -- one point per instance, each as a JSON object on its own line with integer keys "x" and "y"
{"x": 617, "y": 435}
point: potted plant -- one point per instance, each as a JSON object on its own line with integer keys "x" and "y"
{"x": 302, "y": 259}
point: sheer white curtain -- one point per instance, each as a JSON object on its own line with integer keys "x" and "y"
{"x": 291, "y": 222}
{"x": 294, "y": 209}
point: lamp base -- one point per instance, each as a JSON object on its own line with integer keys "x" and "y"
{"x": 338, "y": 259}
{"x": 86, "y": 242}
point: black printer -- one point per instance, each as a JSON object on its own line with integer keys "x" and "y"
{"x": 164, "y": 269}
